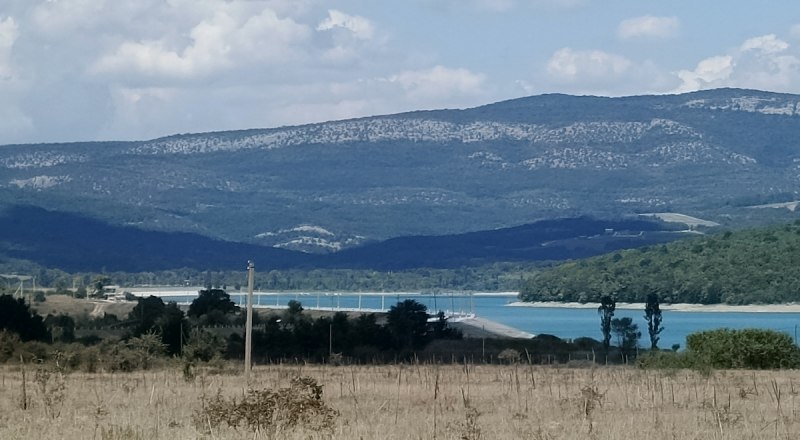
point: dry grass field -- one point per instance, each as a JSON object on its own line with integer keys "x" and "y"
{"x": 414, "y": 402}
{"x": 56, "y": 304}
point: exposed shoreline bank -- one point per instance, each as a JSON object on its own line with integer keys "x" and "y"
{"x": 477, "y": 327}
{"x": 750, "y": 308}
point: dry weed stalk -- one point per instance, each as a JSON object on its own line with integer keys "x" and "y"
{"x": 591, "y": 398}
{"x": 471, "y": 429}
{"x": 25, "y": 401}
{"x": 51, "y": 387}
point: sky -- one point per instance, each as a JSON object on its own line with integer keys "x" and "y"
{"x": 86, "y": 70}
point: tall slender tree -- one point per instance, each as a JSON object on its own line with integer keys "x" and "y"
{"x": 652, "y": 314}
{"x": 606, "y": 312}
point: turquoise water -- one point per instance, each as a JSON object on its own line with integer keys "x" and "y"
{"x": 561, "y": 322}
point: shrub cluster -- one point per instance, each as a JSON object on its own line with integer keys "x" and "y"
{"x": 754, "y": 349}
{"x": 746, "y": 348}
{"x": 270, "y": 411}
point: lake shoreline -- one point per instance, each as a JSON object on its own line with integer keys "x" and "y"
{"x": 749, "y": 308}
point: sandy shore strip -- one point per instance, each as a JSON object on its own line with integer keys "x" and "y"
{"x": 477, "y": 327}
{"x": 751, "y": 308}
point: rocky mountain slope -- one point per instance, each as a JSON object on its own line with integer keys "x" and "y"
{"x": 331, "y": 186}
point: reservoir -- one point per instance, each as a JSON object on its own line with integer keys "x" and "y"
{"x": 566, "y": 323}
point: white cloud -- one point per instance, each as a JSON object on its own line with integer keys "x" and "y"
{"x": 708, "y": 72}
{"x": 217, "y": 43}
{"x": 769, "y": 44}
{"x": 597, "y": 72}
{"x": 439, "y": 82}
{"x": 648, "y": 26}
{"x": 151, "y": 111}
{"x": 360, "y": 27}
{"x": 14, "y": 123}
{"x": 765, "y": 62}
{"x": 569, "y": 65}
{"x": 352, "y": 39}
{"x": 134, "y": 69}
{"x": 9, "y": 31}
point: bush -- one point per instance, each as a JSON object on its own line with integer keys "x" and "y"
{"x": 746, "y": 348}
{"x": 9, "y": 344}
{"x": 203, "y": 346}
{"x": 299, "y": 406}
{"x": 657, "y": 359}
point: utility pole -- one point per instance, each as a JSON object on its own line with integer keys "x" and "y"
{"x": 248, "y": 336}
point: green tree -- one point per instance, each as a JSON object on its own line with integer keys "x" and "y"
{"x": 652, "y": 314}
{"x": 627, "y": 334}
{"x": 145, "y": 313}
{"x": 367, "y": 332}
{"x": 293, "y": 315}
{"x": 61, "y": 327}
{"x": 172, "y": 326}
{"x": 151, "y": 315}
{"x": 341, "y": 332}
{"x": 17, "y": 317}
{"x": 202, "y": 345}
{"x": 407, "y": 322}
{"x": 606, "y": 311}
{"x": 440, "y": 329}
{"x": 146, "y": 347}
{"x": 212, "y": 307}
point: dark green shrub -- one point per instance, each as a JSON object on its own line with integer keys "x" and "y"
{"x": 9, "y": 344}
{"x": 746, "y": 348}
{"x": 657, "y": 359}
{"x": 203, "y": 346}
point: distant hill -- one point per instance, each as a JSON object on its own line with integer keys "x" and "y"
{"x": 752, "y": 266}
{"x": 75, "y": 243}
{"x": 547, "y": 240}
{"x": 337, "y": 185}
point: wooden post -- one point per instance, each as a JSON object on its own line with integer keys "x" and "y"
{"x": 248, "y": 338}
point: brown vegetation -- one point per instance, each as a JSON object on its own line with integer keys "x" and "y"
{"x": 403, "y": 402}
{"x": 81, "y": 308}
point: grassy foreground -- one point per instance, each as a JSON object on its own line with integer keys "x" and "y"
{"x": 416, "y": 402}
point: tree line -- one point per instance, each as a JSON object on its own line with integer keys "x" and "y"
{"x": 288, "y": 334}
{"x": 155, "y": 332}
{"x": 492, "y": 277}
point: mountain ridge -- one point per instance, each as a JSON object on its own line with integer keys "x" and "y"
{"x": 433, "y": 172}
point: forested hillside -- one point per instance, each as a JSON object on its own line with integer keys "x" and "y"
{"x": 751, "y": 266}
